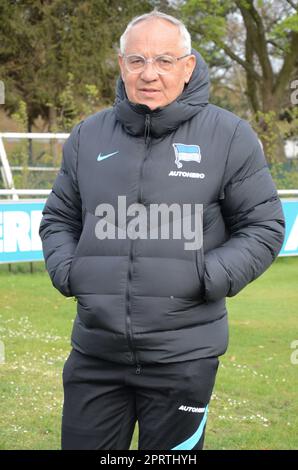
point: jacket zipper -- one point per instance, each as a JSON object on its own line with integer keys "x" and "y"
{"x": 128, "y": 313}
{"x": 131, "y": 256}
{"x": 147, "y": 144}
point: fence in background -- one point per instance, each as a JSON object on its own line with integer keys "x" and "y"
{"x": 20, "y": 218}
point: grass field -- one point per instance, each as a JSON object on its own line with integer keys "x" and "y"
{"x": 254, "y": 405}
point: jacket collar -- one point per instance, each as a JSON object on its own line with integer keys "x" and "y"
{"x": 168, "y": 118}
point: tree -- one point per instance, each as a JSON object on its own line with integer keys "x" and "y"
{"x": 261, "y": 37}
{"x": 52, "y": 48}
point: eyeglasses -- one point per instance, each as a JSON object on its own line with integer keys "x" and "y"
{"x": 162, "y": 63}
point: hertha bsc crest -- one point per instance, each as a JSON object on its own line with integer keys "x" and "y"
{"x": 186, "y": 153}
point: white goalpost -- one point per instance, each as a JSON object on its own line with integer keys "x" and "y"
{"x": 21, "y": 209}
{"x": 7, "y": 169}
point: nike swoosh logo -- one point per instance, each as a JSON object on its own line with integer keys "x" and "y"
{"x": 103, "y": 157}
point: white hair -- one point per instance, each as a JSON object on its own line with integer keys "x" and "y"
{"x": 185, "y": 36}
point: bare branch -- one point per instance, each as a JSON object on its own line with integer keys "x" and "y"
{"x": 255, "y": 28}
{"x": 293, "y": 5}
{"x": 252, "y": 92}
{"x": 247, "y": 66}
{"x": 288, "y": 66}
{"x": 273, "y": 43}
{"x": 229, "y": 51}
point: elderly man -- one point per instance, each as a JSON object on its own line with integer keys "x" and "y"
{"x": 151, "y": 317}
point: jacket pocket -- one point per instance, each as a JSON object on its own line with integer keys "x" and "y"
{"x": 200, "y": 264}
{"x": 80, "y": 244}
{"x": 69, "y": 275}
{"x": 85, "y": 250}
{"x": 74, "y": 257}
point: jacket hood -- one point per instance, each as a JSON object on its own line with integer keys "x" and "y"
{"x": 168, "y": 118}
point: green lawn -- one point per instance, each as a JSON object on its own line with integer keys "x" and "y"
{"x": 254, "y": 405}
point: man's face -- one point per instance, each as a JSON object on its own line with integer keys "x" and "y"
{"x": 151, "y": 38}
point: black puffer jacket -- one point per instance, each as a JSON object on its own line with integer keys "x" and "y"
{"x": 150, "y": 300}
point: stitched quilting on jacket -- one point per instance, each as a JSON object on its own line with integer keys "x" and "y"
{"x": 147, "y": 300}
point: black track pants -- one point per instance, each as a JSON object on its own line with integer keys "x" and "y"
{"x": 103, "y": 400}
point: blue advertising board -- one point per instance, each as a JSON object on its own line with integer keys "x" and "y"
{"x": 20, "y": 241}
{"x": 19, "y": 225}
{"x": 290, "y": 245}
